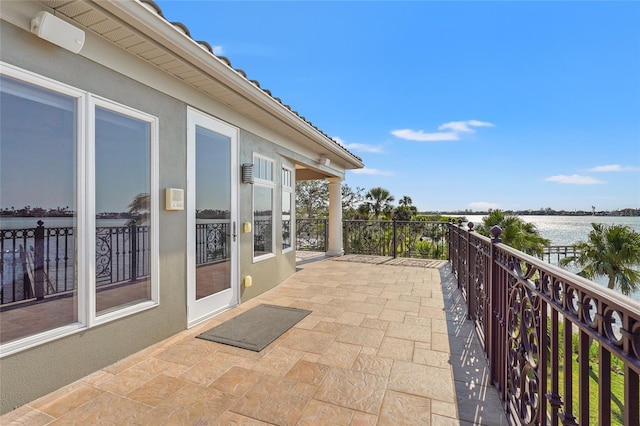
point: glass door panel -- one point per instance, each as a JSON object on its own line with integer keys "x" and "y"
{"x": 213, "y": 212}
{"x": 212, "y": 277}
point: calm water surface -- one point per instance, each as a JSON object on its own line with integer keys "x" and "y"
{"x": 568, "y": 230}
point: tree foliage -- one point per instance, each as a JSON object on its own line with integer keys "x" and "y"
{"x": 351, "y": 199}
{"x": 139, "y": 208}
{"x": 312, "y": 199}
{"x": 405, "y": 201}
{"x": 612, "y": 251}
{"x": 517, "y": 233}
{"x": 403, "y": 213}
{"x": 378, "y": 201}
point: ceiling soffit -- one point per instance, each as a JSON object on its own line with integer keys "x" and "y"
{"x": 92, "y": 17}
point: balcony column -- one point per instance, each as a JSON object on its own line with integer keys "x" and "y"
{"x": 334, "y": 246}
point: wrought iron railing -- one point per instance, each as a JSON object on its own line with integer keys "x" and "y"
{"x": 311, "y": 234}
{"x": 551, "y": 337}
{"x": 415, "y": 239}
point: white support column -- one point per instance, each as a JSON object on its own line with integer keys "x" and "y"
{"x": 334, "y": 245}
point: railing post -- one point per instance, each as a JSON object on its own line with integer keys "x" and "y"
{"x": 471, "y": 295}
{"x": 133, "y": 252}
{"x": 449, "y": 245}
{"x": 395, "y": 242}
{"x": 496, "y": 339}
{"x": 326, "y": 234}
{"x": 38, "y": 261}
{"x": 461, "y": 267}
{"x": 346, "y": 237}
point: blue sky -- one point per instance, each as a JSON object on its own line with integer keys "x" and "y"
{"x": 459, "y": 105}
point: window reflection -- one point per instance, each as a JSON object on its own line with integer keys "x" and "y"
{"x": 38, "y": 216}
{"x": 122, "y": 176}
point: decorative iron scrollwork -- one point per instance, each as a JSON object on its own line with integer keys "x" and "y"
{"x": 523, "y": 377}
{"x": 104, "y": 252}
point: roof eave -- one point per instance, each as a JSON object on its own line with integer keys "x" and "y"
{"x": 157, "y": 28}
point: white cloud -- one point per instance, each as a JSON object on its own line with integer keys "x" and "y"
{"x": 455, "y": 128}
{"x": 361, "y": 147}
{"x": 483, "y": 205}
{"x": 217, "y": 50}
{"x": 614, "y": 168}
{"x": 368, "y": 171}
{"x": 421, "y": 136}
{"x": 463, "y": 126}
{"x": 574, "y": 180}
{"x": 477, "y": 123}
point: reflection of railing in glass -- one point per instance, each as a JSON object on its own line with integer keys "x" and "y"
{"x": 262, "y": 237}
{"x": 212, "y": 242}
{"x": 286, "y": 234}
{"x": 122, "y": 253}
{"x": 38, "y": 262}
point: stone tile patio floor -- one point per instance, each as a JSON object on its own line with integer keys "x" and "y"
{"x": 387, "y": 343}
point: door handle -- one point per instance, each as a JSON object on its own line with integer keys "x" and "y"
{"x": 233, "y": 232}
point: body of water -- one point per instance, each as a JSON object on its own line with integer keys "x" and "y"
{"x": 568, "y": 230}
{"x": 52, "y": 222}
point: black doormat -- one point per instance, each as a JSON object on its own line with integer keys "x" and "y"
{"x": 257, "y": 328}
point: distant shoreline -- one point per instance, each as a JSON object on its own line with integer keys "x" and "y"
{"x": 614, "y": 213}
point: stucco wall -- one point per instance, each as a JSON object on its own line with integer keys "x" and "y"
{"x": 266, "y": 273}
{"x": 37, "y": 371}
{"x": 32, "y": 373}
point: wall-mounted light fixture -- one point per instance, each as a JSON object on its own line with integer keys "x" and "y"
{"x": 247, "y": 173}
{"x": 324, "y": 160}
{"x": 57, "y": 31}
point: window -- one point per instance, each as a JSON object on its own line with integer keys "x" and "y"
{"x": 122, "y": 145}
{"x": 287, "y": 202}
{"x": 263, "y": 192}
{"x": 78, "y": 239}
{"x": 39, "y": 222}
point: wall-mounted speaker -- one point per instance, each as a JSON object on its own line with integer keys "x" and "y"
{"x": 174, "y": 199}
{"x": 57, "y": 31}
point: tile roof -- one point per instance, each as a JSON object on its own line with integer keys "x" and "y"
{"x": 152, "y": 6}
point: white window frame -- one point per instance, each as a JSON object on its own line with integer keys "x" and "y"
{"x": 266, "y": 183}
{"x": 85, "y": 209}
{"x": 288, "y": 190}
{"x": 96, "y": 101}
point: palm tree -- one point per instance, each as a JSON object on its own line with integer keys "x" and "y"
{"x": 379, "y": 201}
{"x": 139, "y": 208}
{"x": 611, "y": 251}
{"x": 405, "y": 201}
{"x": 517, "y": 233}
{"x": 405, "y": 210}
